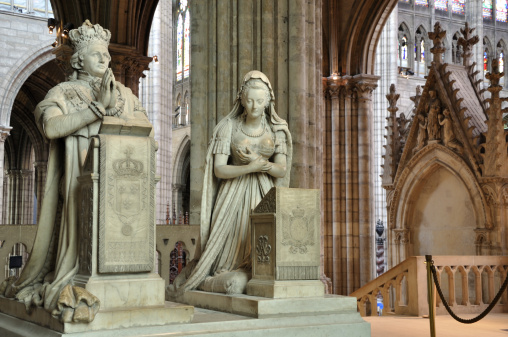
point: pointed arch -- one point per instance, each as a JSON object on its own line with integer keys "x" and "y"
{"x": 404, "y": 42}
{"x": 18, "y": 74}
{"x": 422, "y": 47}
{"x": 181, "y": 157}
{"x": 433, "y": 159}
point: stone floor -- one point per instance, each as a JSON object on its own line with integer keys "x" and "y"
{"x": 494, "y": 325}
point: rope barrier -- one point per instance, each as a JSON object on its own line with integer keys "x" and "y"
{"x": 457, "y": 318}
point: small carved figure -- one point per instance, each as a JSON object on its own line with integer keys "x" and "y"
{"x": 449, "y": 139}
{"x": 422, "y": 133}
{"x": 432, "y": 117}
{"x": 250, "y": 152}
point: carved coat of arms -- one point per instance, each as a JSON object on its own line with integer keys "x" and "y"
{"x": 298, "y": 230}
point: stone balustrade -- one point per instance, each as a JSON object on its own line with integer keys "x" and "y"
{"x": 469, "y": 284}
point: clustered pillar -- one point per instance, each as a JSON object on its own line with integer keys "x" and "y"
{"x": 348, "y": 189}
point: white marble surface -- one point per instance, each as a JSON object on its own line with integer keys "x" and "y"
{"x": 217, "y": 324}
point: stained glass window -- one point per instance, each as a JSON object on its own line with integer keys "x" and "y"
{"x": 485, "y": 61}
{"x": 404, "y": 48}
{"x": 186, "y": 43}
{"x": 406, "y": 1}
{"x": 458, "y": 6}
{"x": 442, "y": 5}
{"x": 487, "y": 9}
{"x": 501, "y": 62}
{"x": 179, "y": 48}
{"x": 422, "y": 3}
{"x": 501, "y": 10}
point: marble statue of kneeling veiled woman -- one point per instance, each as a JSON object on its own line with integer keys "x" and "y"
{"x": 250, "y": 152}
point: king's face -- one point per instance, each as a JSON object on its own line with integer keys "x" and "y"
{"x": 96, "y": 60}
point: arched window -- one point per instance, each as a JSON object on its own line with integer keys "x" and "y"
{"x": 186, "y": 43}
{"x": 500, "y": 52}
{"x": 487, "y": 9}
{"x": 422, "y": 51}
{"x": 501, "y": 10}
{"x": 441, "y": 5}
{"x": 403, "y": 52}
{"x": 458, "y": 7}
{"x": 183, "y": 41}
{"x": 179, "y": 48}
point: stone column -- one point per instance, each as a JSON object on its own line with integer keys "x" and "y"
{"x": 156, "y": 94}
{"x": 26, "y": 192}
{"x": 177, "y": 201}
{"x": 279, "y": 38}
{"x": 364, "y": 86}
{"x": 4, "y": 133}
{"x": 41, "y": 170}
{"x": 348, "y": 182}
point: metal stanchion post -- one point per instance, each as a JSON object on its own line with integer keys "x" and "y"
{"x": 430, "y": 295}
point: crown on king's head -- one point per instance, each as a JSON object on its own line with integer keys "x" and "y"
{"x": 89, "y": 34}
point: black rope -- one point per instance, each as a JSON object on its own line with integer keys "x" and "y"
{"x": 457, "y": 318}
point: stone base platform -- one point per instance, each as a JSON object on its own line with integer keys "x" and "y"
{"x": 105, "y": 319}
{"x": 261, "y": 307}
{"x": 285, "y": 289}
{"x": 219, "y": 324}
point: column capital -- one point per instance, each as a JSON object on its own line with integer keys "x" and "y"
{"x": 4, "y": 132}
{"x": 128, "y": 65}
{"x": 364, "y": 85}
{"x": 63, "y": 54}
{"x": 335, "y": 84}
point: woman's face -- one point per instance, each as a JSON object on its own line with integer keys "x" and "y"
{"x": 255, "y": 102}
{"x": 96, "y": 60}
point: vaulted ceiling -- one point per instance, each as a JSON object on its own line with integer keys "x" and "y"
{"x": 128, "y": 20}
{"x": 351, "y": 30}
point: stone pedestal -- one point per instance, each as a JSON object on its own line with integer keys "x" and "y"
{"x": 286, "y": 245}
{"x": 117, "y": 251}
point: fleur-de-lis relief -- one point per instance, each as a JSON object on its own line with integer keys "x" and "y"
{"x": 263, "y": 249}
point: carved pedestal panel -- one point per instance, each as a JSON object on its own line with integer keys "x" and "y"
{"x": 286, "y": 244}
{"x": 117, "y": 222}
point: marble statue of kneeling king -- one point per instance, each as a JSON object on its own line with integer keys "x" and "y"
{"x": 69, "y": 116}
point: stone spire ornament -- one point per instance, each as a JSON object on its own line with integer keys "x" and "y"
{"x": 467, "y": 42}
{"x": 392, "y": 147}
{"x": 495, "y": 158}
{"x": 437, "y": 37}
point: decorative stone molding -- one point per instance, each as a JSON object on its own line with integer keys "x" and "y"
{"x": 402, "y": 236}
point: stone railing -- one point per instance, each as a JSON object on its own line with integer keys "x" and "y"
{"x": 469, "y": 284}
